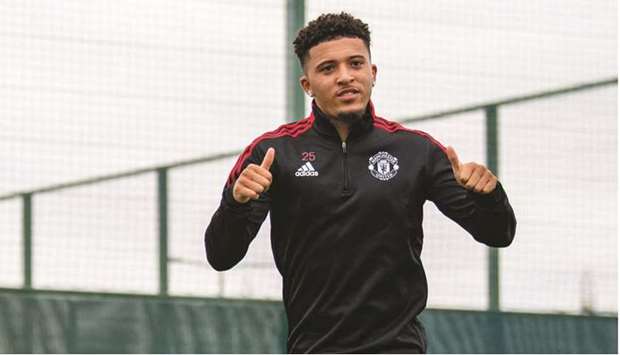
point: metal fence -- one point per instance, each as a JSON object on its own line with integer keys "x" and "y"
{"x": 161, "y": 174}
{"x": 90, "y": 89}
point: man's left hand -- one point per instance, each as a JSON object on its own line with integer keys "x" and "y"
{"x": 472, "y": 176}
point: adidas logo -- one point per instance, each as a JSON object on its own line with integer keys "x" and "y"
{"x": 306, "y": 170}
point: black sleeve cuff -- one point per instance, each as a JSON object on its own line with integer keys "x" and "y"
{"x": 229, "y": 202}
{"x": 490, "y": 200}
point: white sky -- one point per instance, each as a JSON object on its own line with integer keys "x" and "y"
{"x": 98, "y": 87}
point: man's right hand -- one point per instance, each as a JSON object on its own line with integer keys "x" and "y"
{"x": 254, "y": 179}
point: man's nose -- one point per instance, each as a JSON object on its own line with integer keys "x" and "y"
{"x": 344, "y": 76}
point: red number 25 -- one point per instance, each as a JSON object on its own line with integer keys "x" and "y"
{"x": 308, "y": 156}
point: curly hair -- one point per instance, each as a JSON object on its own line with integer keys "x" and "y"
{"x": 326, "y": 28}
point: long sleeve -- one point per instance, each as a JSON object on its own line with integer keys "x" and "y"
{"x": 488, "y": 218}
{"x": 234, "y": 225}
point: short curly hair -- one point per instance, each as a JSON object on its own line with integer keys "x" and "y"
{"x": 326, "y": 28}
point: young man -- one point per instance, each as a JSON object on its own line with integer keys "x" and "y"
{"x": 345, "y": 189}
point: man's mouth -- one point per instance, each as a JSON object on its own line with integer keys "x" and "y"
{"x": 347, "y": 94}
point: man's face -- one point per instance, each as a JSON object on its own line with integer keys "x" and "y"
{"x": 340, "y": 76}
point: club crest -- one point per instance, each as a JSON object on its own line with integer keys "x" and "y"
{"x": 383, "y": 166}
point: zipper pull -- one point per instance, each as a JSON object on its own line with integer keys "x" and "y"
{"x": 344, "y": 147}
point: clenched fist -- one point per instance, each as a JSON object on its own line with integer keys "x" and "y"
{"x": 472, "y": 176}
{"x": 254, "y": 179}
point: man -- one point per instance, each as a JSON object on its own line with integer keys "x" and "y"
{"x": 345, "y": 189}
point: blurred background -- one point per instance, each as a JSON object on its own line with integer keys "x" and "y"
{"x": 120, "y": 120}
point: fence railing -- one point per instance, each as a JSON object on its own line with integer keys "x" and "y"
{"x": 161, "y": 172}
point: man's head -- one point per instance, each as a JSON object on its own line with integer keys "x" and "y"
{"x": 334, "y": 51}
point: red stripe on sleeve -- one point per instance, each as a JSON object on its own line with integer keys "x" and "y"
{"x": 392, "y": 127}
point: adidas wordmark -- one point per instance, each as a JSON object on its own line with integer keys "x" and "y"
{"x": 306, "y": 170}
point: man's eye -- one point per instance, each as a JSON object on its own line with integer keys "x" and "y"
{"x": 356, "y": 63}
{"x": 326, "y": 68}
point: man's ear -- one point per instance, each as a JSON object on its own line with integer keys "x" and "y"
{"x": 374, "y": 73}
{"x": 305, "y": 85}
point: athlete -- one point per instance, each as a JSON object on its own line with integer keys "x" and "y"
{"x": 345, "y": 190}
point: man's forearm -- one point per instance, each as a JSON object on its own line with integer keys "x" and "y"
{"x": 227, "y": 236}
{"x": 493, "y": 221}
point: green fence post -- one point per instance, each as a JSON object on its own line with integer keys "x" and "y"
{"x": 493, "y": 165}
{"x": 27, "y": 240}
{"x": 28, "y": 301}
{"x": 295, "y": 100}
{"x": 162, "y": 188}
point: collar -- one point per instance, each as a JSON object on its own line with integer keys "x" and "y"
{"x": 323, "y": 125}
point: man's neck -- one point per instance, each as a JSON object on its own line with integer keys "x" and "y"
{"x": 342, "y": 128}
{"x": 344, "y": 123}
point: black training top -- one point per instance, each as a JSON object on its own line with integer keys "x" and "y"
{"x": 346, "y": 228}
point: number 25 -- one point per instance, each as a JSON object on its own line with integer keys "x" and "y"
{"x": 308, "y": 156}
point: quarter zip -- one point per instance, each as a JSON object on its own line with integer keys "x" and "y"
{"x": 346, "y": 191}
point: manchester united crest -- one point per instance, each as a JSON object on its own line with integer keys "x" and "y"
{"x": 383, "y": 166}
